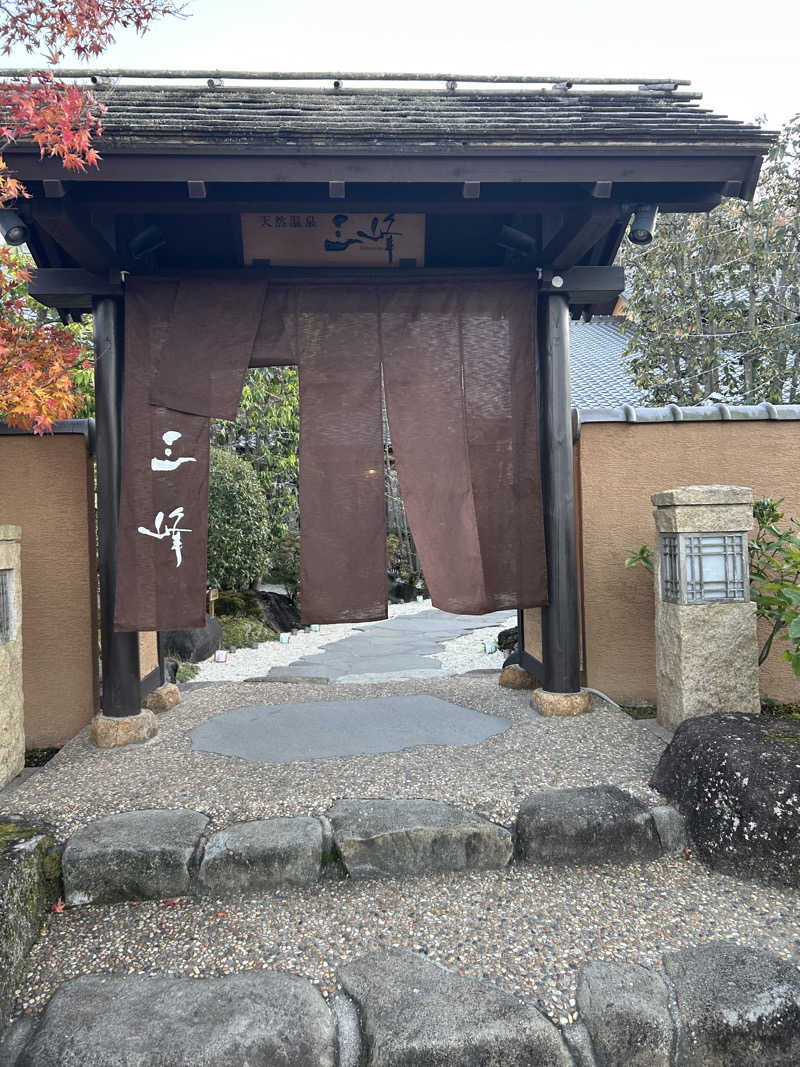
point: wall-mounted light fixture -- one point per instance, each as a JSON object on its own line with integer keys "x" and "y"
{"x": 644, "y": 224}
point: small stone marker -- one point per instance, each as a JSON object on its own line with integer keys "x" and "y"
{"x": 590, "y": 824}
{"x": 138, "y": 855}
{"x": 385, "y": 838}
{"x": 415, "y": 1012}
{"x": 165, "y": 698}
{"x": 251, "y": 857}
{"x": 515, "y": 677}
{"x": 258, "y": 1017}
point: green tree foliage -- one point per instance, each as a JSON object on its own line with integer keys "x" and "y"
{"x": 238, "y": 520}
{"x": 775, "y": 578}
{"x": 714, "y": 313}
{"x": 266, "y": 433}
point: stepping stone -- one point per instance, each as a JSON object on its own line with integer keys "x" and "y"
{"x": 386, "y": 838}
{"x": 283, "y": 733}
{"x": 250, "y": 857}
{"x": 625, "y": 1009}
{"x": 138, "y": 855}
{"x": 592, "y": 824}
{"x": 414, "y": 1012}
{"x": 259, "y": 1017}
{"x": 738, "y": 1005}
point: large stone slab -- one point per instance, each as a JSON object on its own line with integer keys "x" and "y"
{"x": 739, "y": 1007}
{"x": 283, "y": 733}
{"x": 256, "y": 1019}
{"x": 30, "y": 881}
{"x": 251, "y": 857}
{"x": 736, "y": 778}
{"x": 415, "y": 1013}
{"x": 137, "y": 855}
{"x": 384, "y": 838}
{"x": 590, "y": 824}
{"x": 625, "y": 1008}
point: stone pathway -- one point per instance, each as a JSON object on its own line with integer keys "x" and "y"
{"x": 398, "y": 648}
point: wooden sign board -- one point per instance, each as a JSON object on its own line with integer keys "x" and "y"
{"x": 376, "y": 239}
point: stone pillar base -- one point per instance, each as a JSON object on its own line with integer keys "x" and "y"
{"x": 108, "y": 732}
{"x": 563, "y": 704}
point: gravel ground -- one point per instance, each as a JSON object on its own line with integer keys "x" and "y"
{"x": 84, "y": 782}
{"x": 527, "y": 929}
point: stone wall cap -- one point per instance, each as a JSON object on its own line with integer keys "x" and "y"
{"x": 692, "y": 495}
{"x": 10, "y": 533}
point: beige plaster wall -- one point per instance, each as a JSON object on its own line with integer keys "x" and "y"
{"x": 12, "y": 734}
{"x": 148, "y": 653}
{"x": 46, "y": 488}
{"x": 621, "y": 465}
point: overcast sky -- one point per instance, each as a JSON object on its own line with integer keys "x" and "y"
{"x": 744, "y": 57}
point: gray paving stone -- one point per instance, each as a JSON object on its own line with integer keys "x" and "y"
{"x": 283, "y": 733}
{"x": 242, "y": 1020}
{"x": 626, "y": 1011}
{"x": 416, "y": 1013}
{"x": 739, "y": 1006}
{"x": 386, "y": 838}
{"x": 250, "y": 857}
{"x": 591, "y": 824}
{"x": 137, "y": 855}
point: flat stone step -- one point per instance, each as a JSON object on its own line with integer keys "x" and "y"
{"x": 592, "y": 824}
{"x": 259, "y": 1017}
{"x": 387, "y": 838}
{"x": 414, "y": 1011}
{"x": 137, "y": 855}
{"x": 150, "y": 855}
{"x": 717, "y": 1003}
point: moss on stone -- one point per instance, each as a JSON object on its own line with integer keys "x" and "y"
{"x": 12, "y": 832}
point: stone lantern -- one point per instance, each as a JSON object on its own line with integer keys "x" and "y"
{"x": 706, "y": 641}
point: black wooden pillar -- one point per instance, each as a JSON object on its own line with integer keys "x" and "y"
{"x": 119, "y": 651}
{"x": 560, "y": 628}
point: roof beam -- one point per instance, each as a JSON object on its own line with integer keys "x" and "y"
{"x": 656, "y": 165}
{"x": 71, "y": 287}
{"x": 72, "y": 229}
{"x": 581, "y": 232}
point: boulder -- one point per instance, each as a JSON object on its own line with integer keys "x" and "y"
{"x": 250, "y": 857}
{"x": 258, "y": 1017}
{"x": 589, "y": 824}
{"x": 415, "y": 1012}
{"x": 170, "y": 669}
{"x": 738, "y": 1007}
{"x": 384, "y": 838}
{"x": 736, "y": 779}
{"x": 625, "y": 1009}
{"x": 194, "y": 645}
{"x": 138, "y": 855}
{"x": 30, "y": 881}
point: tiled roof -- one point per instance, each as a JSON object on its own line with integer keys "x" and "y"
{"x": 598, "y": 374}
{"x": 278, "y": 115}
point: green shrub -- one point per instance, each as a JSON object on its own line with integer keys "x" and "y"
{"x": 186, "y": 671}
{"x": 246, "y": 603}
{"x": 284, "y": 568}
{"x": 238, "y": 631}
{"x": 238, "y": 523}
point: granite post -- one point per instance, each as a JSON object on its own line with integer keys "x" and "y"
{"x": 706, "y": 640}
{"x": 12, "y": 726}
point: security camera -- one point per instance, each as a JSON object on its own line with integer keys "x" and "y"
{"x": 517, "y": 241}
{"x": 13, "y": 229}
{"x": 644, "y": 224}
{"x": 147, "y": 241}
